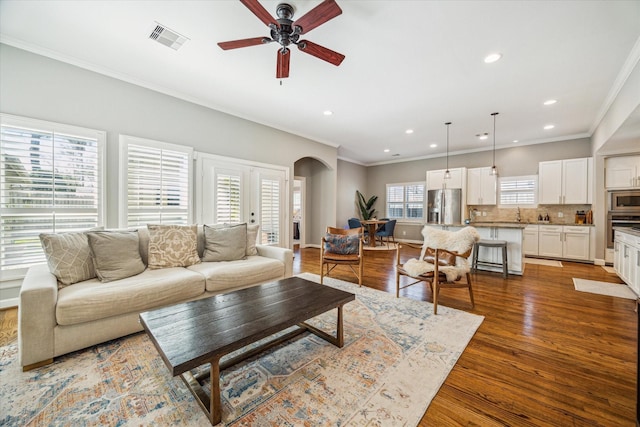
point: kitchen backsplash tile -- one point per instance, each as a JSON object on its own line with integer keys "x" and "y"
{"x": 530, "y": 215}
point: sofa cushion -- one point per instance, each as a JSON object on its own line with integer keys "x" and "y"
{"x": 227, "y": 243}
{"x": 232, "y": 274}
{"x": 252, "y": 239}
{"x": 93, "y": 300}
{"x": 116, "y": 254}
{"x": 68, "y": 256}
{"x": 172, "y": 245}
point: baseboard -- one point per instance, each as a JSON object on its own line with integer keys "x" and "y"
{"x": 8, "y": 303}
{"x": 599, "y": 261}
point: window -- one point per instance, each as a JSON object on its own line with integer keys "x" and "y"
{"x": 50, "y": 181}
{"x": 228, "y": 198}
{"x": 518, "y": 190}
{"x": 405, "y": 201}
{"x": 155, "y": 182}
{"x": 270, "y": 211}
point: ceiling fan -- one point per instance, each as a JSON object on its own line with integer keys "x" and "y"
{"x": 286, "y": 32}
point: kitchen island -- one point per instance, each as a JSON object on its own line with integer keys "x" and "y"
{"x": 511, "y": 232}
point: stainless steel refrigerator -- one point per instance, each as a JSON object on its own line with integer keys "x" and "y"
{"x": 444, "y": 206}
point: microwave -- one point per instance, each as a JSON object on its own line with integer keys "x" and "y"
{"x": 625, "y": 201}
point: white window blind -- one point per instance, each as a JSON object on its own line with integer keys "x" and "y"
{"x": 270, "y": 211}
{"x": 158, "y": 182}
{"x": 228, "y": 198}
{"x": 50, "y": 181}
{"x": 518, "y": 190}
{"x": 405, "y": 201}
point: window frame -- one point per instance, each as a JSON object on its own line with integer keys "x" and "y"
{"x": 518, "y": 178}
{"x": 404, "y": 186}
{"x": 124, "y": 142}
{"x": 45, "y": 126}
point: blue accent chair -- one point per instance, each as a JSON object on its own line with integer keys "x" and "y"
{"x": 387, "y": 231}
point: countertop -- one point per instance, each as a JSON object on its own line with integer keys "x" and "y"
{"x": 506, "y": 224}
{"x": 627, "y": 230}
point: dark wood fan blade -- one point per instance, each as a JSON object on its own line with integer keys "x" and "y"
{"x": 234, "y": 44}
{"x": 262, "y": 14}
{"x": 282, "y": 69}
{"x": 320, "y": 14}
{"x": 321, "y": 52}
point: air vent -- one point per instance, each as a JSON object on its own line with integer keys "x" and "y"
{"x": 167, "y": 37}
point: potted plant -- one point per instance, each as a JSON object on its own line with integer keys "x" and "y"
{"x": 366, "y": 206}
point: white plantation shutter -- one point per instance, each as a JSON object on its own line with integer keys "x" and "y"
{"x": 158, "y": 182}
{"x": 50, "y": 181}
{"x": 518, "y": 190}
{"x": 270, "y": 211}
{"x": 228, "y": 198}
{"x": 405, "y": 201}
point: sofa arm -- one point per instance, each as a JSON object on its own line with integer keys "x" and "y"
{"x": 281, "y": 254}
{"x": 37, "y": 316}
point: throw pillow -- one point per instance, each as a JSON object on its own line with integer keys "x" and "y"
{"x": 342, "y": 244}
{"x": 444, "y": 258}
{"x": 68, "y": 256}
{"x": 116, "y": 254}
{"x": 252, "y": 238}
{"x": 225, "y": 243}
{"x": 172, "y": 246}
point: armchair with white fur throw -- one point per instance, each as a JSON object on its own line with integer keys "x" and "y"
{"x": 443, "y": 261}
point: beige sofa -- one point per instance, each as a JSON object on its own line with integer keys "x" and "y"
{"x": 53, "y": 321}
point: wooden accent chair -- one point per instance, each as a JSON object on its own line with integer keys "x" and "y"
{"x": 342, "y": 247}
{"x": 443, "y": 262}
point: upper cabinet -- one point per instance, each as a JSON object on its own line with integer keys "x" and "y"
{"x": 564, "y": 182}
{"x": 622, "y": 172}
{"x": 436, "y": 181}
{"x": 481, "y": 186}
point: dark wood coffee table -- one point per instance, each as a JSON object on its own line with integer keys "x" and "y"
{"x": 192, "y": 334}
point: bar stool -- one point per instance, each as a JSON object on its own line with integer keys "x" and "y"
{"x": 491, "y": 244}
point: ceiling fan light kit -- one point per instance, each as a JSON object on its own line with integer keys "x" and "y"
{"x": 286, "y": 32}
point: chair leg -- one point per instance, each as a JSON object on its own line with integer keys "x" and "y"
{"x": 473, "y": 304}
{"x": 360, "y": 275}
{"x": 434, "y": 287}
{"x": 321, "y": 273}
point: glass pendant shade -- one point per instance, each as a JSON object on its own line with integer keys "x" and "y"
{"x": 447, "y": 174}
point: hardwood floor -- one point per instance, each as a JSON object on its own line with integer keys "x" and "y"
{"x": 545, "y": 355}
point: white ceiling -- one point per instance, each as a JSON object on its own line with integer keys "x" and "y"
{"x": 409, "y": 65}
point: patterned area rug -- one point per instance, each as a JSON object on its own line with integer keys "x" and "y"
{"x": 619, "y": 290}
{"x": 396, "y": 356}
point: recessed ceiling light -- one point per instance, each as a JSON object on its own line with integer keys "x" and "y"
{"x": 547, "y": 127}
{"x": 328, "y": 113}
{"x": 433, "y": 145}
{"x": 482, "y": 136}
{"x": 515, "y": 140}
{"x": 386, "y": 150}
{"x": 550, "y": 101}
{"x": 408, "y": 131}
{"x": 492, "y": 58}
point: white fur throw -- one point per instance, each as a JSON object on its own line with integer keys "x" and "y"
{"x": 456, "y": 241}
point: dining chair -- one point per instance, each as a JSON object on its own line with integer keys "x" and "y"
{"x": 386, "y": 230}
{"x": 443, "y": 262}
{"x": 342, "y": 247}
{"x": 355, "y": 223}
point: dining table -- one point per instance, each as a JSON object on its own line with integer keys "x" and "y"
{"x": 372, "y": 225}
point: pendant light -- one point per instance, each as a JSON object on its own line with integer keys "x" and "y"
{"x": 494, "y": 169}
{"x": 447, "y": 174}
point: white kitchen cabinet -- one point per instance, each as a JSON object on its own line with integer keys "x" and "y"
{"x": 563, "y": 182}
{"x": 575, "y": 242}
{"x": 550, "y": 241}
{"x": 627, "y": 259}
{"x": 513, "y": 237}
{"x": 622, "y": 172}
{"x": 530, "y": 240}
{"x": 571, "y": 242}
{"x": 436, "y": 181}
{"x": 481, "y": 186}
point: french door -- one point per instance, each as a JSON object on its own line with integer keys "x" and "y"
{"x": 231, "y": 192}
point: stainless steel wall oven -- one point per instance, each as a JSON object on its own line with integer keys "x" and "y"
{"x": 617, "y": 219}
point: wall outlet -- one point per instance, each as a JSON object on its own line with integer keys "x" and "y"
{"x": 484, "y": 213}
{"x": 404, "y": 233}
{"x": 560, "y": 215}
